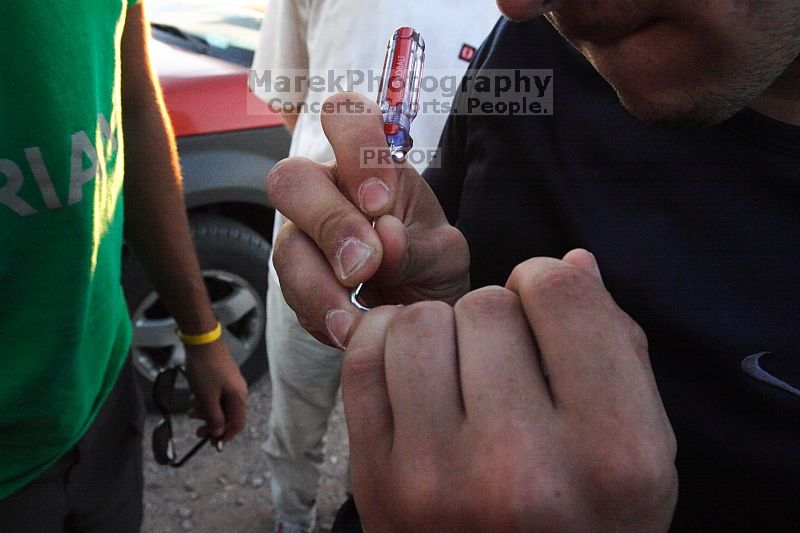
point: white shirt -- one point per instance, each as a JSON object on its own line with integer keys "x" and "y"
{"x": 331, "y": 37}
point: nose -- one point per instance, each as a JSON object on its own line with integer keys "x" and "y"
{"x": 525, "y": 9}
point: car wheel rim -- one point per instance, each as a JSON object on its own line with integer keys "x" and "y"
{"x": 237, "y": 305}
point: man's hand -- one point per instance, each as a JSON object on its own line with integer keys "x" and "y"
{"x": 330, "y": 247}
{"x": 220, "y": 391}
{"x": 526, "y": 408}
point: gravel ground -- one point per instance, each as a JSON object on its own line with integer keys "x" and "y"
{"x": 229, "y": 492}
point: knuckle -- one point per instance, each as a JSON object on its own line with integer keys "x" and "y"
{"x": 422, "y": 316}
{"x": 523, "y": 274}
{"x": 333, "y": 225}
{"x": 564, "y": 278}
{"x": 241, "y": 396}
{"x": 280, "y": 180}
{"x": 631, "y": 470}
{"x": 285, "y": 247}
{"x": 359, "y": 364}
{"x": 638, "y": 337}
{"x": 420, "y": 499}
{"x": 456, "y": 249}
{"x": 327, "y": 223}
{"x": 489, "y": 302}
{"x": 556, "y": 281}
{"x": 454, "y": 240}
{"x": 304, "y": 294}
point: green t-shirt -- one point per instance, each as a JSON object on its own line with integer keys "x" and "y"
{"x": 64, "y": 328}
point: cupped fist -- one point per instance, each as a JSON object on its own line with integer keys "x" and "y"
{"x": 219, "y": 391}
{"x": 526, "y": 408}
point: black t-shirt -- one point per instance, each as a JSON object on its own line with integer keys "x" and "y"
{"x": 697, "y": 233}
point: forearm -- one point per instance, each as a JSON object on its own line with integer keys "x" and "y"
{"x": 156, "y": 227}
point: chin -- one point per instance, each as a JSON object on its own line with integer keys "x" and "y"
{"x": 667, "y": 77}
{"x": 681, "y": 111}
{"x": 667, "y": 93}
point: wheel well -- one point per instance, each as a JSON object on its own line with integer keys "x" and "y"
{"x": 257, "y": 217}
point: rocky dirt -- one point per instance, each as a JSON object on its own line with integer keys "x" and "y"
{"x": 229, "y": 492}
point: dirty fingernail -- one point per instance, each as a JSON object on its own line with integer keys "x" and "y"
{"x": 373, "y": 195}
{"x": 352, "y": 255}
{"x": 339, "y": 323}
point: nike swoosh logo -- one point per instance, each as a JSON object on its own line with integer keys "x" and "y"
{"x": 751, "y": 367}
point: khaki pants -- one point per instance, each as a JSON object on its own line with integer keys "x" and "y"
{"x": 305, "y": 380}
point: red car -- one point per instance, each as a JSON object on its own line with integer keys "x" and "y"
{"x": 227, "y": 141}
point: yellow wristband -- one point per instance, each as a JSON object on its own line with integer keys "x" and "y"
{"x": 201, "y": 339}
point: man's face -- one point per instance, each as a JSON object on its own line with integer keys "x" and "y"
{"x": 680, "y": 62}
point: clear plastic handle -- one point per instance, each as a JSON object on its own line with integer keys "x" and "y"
{"x": 399, "y": 93}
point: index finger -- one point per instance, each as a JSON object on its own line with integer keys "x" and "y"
{"x": 364, "y": 390}
{"x": 304, "y": 192}
{"x": 353, "y": 125}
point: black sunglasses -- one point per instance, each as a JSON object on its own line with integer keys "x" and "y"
{"x": 163, "y": 443}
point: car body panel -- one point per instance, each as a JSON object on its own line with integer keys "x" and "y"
{"x": 205, "y": 94}
{"x": 227, "y": 138}
{"x": 230, "y": 167}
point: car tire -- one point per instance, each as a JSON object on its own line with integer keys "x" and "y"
{"x": 234, "y": 260}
